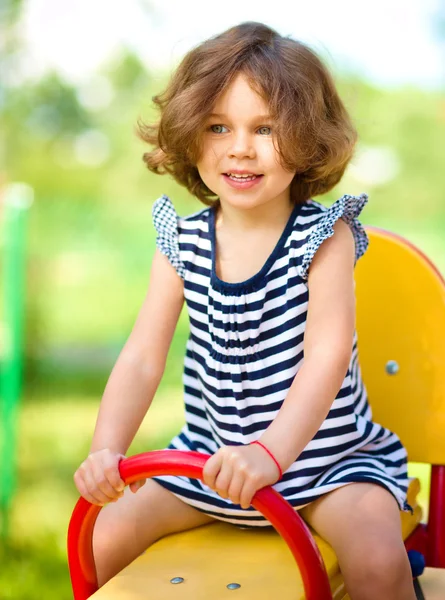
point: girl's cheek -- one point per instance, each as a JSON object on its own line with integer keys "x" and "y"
{"x": 219, "y": 151}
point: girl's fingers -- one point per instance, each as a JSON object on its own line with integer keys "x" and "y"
{"x": 211, "y": 470}
{"x": 235, "y": 487}
{"x": 224, "y": 479}
{"x": 93, "y": 490}
{"x": 247, "y": 493}
{"x": 111, "y": 470}
{"x": 83, "y": 491}
{"x": 102, "y": 484}
{"x": 136, "y": 485}
{"x": 98, "y": 479}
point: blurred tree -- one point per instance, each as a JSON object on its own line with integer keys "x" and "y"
{"x": 10, "y": 11}
{"x": 127, "y": 72}
{"x": 9, "y": 42}
{"x": 37, "y": 114}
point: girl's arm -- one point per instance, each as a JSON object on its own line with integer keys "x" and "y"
{"x": 328, "y": 345}
{"x": 140, "y": 366}
{"x": 132, "y": 385}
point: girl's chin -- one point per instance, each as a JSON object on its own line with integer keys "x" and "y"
{"x": 239, "y": 202}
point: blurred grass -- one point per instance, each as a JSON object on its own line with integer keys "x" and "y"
{"x": 54, "y": 438}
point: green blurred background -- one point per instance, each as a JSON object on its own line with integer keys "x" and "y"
{"x": 90, "y": 243}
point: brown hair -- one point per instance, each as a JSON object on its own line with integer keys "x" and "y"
{"x": 314, "y": 134}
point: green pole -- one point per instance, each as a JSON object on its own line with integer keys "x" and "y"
{"x": 17, "y": 199}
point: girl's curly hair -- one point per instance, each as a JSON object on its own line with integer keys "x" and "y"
{"x": 314, "y": 133}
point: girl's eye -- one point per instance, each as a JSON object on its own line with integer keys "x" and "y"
{"x": 217, "y": 128}
{"x": 265, "y": 130}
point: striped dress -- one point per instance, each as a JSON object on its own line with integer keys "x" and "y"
{"x": 244, "y": 350}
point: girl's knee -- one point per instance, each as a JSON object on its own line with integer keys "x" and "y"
{"x": 125, "y": 529}
{"x": 382, "y": 563}
{"x": 115, "y": 543}
{"x": 106, "y": 536}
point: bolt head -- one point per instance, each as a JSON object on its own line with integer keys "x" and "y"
{"x": 392, "y": 367}
{"x": 233, "y": 586}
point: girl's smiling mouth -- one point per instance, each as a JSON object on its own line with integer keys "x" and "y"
{"x": 242, "y": 179}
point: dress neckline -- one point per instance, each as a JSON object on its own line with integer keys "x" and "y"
{"x": 253, "y": 282}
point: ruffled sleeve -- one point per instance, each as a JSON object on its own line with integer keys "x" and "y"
{"x": 165, "y": 220}
{"x": 347, "y": 208}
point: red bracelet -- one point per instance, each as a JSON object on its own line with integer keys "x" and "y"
{"x": 271, "y": 456}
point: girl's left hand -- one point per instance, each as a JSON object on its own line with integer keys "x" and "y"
{"x": 237, "y": 472}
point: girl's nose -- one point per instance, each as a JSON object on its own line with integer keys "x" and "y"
{"x": 241, "y": 146}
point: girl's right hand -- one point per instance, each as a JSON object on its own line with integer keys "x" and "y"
{"x": 98, "y": 479}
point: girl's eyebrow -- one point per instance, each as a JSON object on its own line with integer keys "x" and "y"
{"x": 255, "y": 118}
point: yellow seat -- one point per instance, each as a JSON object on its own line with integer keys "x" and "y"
{"x": 401, "y": 330}
{"x": 211, "y": 557}
{"x": 401, "y": 318}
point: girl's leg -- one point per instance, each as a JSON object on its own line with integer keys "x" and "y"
{"x": 361, "y": 521}
{"x": 124, "y": 529}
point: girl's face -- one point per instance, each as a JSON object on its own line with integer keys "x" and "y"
{"x": 238, "y": 160}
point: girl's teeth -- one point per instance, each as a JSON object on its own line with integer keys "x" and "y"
{"x": 237, "y": 175}
{"x": 242, "y": 177}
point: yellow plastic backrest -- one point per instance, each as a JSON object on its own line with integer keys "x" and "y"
{"x": 401, "y": 318}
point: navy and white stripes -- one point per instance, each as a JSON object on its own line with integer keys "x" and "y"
{"x": 244, "y": 350}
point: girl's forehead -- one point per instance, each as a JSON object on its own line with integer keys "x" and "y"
{"x": 239, "y": 94}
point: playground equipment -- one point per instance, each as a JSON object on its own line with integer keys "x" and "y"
{"x": 14, "y": 205}
{"x": 401, "y": 329}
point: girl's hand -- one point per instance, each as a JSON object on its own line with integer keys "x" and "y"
{"x": 98, "y": 479}
{"x": 237, "y": 472}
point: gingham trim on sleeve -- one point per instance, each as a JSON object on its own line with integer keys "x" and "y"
{"x": 165, "y": 220}
{"x": 347, "y": 208}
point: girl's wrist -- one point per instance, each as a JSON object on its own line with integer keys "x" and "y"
{"x": 266, "y": 449}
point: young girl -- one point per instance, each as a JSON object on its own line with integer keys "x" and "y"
{"x": 252, "y": 125}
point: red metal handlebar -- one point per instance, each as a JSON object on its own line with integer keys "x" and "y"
{"x": 274, "y": 508}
